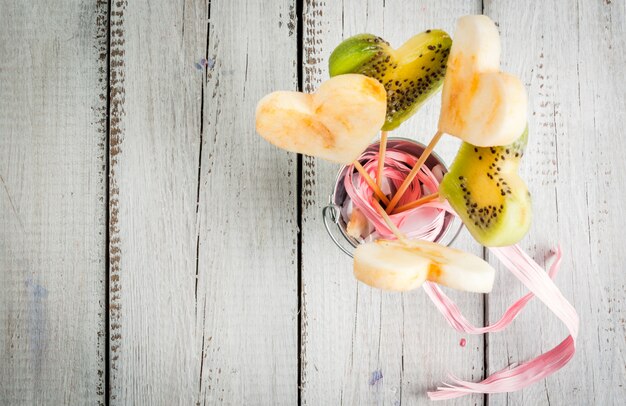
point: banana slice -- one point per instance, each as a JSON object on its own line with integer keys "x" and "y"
{"x": 336, "y": 123}
{"x": 402, "y": 266}
{"x": 480, "y": 104}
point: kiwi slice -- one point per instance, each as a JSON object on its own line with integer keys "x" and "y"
{"x": 484, "y": 188}
{"x": 410, "y": 74}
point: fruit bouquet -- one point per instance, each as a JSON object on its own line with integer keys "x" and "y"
{"x": 396, "y": 204}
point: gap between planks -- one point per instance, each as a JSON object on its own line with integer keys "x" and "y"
{"x": 107, "y": 251}
{"x": 299, "y": 180}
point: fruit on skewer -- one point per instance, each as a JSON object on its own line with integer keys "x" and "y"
{"x": 479, "y": 104}
{"x": 484, "y": 188}
{"x": 405, "y": 265}
{"x": 336, "y": 123}
{"x": 410, "y": 74}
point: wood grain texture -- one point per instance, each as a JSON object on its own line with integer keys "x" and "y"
{"x": 52, "y": 202}
{"x": 247, "y": 306}
{"x": 574, "y": 165}
{"x": 350, "y": 331}
{"x": 203, "y": 216}
{"x": 156, "y": 98}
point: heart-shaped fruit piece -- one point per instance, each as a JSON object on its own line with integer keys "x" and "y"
{"x": 480, "y": 104}
{"x": 336, "y": 123}
{"x": 484, "y": 188}
{"x": 401, "y": 266}
{"x": 410, "y": 74}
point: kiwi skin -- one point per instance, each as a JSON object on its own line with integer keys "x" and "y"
{"x": 355, "y": 52}
{"x": 410, "y": 74}
{"x": 484, "y": 188}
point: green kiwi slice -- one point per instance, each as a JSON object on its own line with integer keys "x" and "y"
{"x": 484, "y": 188}
{"x": 410, "y": 74}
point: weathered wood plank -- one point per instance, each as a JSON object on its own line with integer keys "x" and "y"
{"x": 52, "y": 202}
{"x": 156, "y": 98}
{"x": 350, "y": 331}
{"x": 203, "y": 217}
{"x": 247, "y": 262}
{"x": 571, "y": 57}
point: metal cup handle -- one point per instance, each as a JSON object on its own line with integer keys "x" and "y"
{"x": 330, "y": 212}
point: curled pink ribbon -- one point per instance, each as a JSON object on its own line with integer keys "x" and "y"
{"x": 424, "y": 222}
{"x": 397, "y": 165}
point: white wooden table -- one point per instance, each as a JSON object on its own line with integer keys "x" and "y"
{"x": 154, "y": 250}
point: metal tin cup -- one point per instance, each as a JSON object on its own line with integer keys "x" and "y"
{"x": 334, "y": 222}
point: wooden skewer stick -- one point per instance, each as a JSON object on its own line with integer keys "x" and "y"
{"x": 379, "y": 193}
{"x": 416, "y": 203}
{"x": 407, "y": 181}
{"x": 382, "y": 149}
{"x": 399, "y": 234}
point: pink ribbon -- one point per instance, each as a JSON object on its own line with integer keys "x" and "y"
{"x": 520, "y": 376}
{"x": 397, "y": 165}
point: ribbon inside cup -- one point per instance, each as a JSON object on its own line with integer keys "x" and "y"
{"x": 426, "y": 222}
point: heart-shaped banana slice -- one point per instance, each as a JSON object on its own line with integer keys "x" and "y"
{"x": 483, "y": 186}
{"x": 401, "y": 266}
{"x": 336, "y": 123}
{"x": 411, "y": 73}
{"x": 480, "y": 104}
